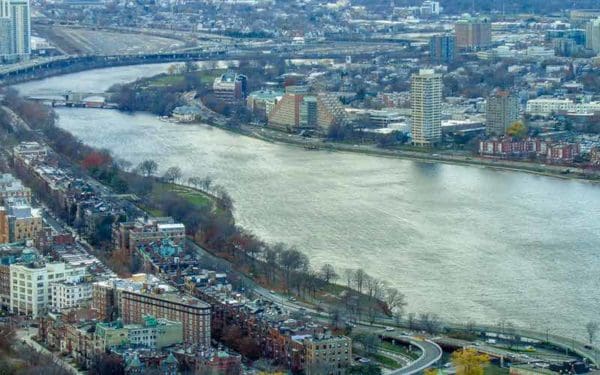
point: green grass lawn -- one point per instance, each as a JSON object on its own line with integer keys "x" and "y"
{"x": 166, "y": 80}
{"x": 162, "y": 80}
{"x": 193, "y": 196}
{"x": 400, "y": 349}
{"x": 386, "y": 361}
{"x": 495, "y": 370}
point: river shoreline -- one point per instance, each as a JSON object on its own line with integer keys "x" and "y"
{"x": 555, "y": 171}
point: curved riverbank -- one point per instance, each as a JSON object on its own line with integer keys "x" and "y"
{"x": 477, "y": 244}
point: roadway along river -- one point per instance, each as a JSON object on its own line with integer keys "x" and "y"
{"x": 465, "y": 242}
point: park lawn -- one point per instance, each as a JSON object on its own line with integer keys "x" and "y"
{"x": 194, "y": 197}
{"x": 400, "y": 349}
{"x": 163, "y": 80}
{"x": 386, "y": 361}
{"x": 152, "y": 211}
{"x": 495, "y": 370}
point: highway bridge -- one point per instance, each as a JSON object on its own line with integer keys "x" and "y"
{"x": 569, "y": 345}
{"x": 42, "y": 68}
{"x": 431, "y": 353}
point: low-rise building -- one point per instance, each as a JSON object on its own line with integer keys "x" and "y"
{"x": 325, "y": 354}
{"x": 19, "y": 221}
{"x": 550, "y": 106}
{"x": 218, "y": 362}
{"x": 145, "y": 230}
{"x": 230, "y": 87}
{"x": 10, "y": 187}
{"x": 70, "y": 294}
{"x": 563, "y": 152}
{"x": 514, "y": 148}
{"x": 30, "y": 150}
{"x": 186, "y": 113}
{"x": 261, "y": 103}
{"x": 151, "y": 333}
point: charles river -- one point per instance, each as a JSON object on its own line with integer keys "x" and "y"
{"x": 468, "y": 243}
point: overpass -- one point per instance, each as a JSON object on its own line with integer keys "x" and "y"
{"x": 43, "y": 68}
{"x": 569, "y": 345}
{"x": 431, "y": 353}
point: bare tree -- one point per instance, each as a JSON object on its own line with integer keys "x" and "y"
{"x": 194, "y": 181}
{"x": 190, "y": 66}
{"x": 396, "y": 302}
{"x": 349, "y": 276}
{"x": 369, "y": 341}
{"x": 270, "y": 255}
{"x": 430, "y": 323}
{"x": 374, "y": 289}
{"x": 206, "y": 183}
{"x": 327, "y": 272}
{"x": 411, "y": 318}
{"x": 123, "y": 164}
{"x": 507, "y": 329}
{"x": 359, "y": 279}
{"x": 292, "y": 260}
{"x": 148, "y": 167}
{"x": 173, "y": 174}
{"x": 592, "y": 329}
{"x": 470, "y": 327}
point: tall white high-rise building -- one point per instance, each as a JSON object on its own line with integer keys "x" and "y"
{"x": 426, "y": 108}
{"x": 15, "y": 29}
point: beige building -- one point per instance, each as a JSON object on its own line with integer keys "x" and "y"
{"x": 18, "y": 221}
{"x": 298, "y": 109}
{"x": 426, "y": 108}
{"x": 151, "y": 333}
{"x": 502, "y": 110}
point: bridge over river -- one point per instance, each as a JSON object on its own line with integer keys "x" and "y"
{"x": 43, "y": 68}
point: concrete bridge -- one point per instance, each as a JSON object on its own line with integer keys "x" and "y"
{"x": 42, "y": 68}
{"x": 569, "y": 345}
{"x": 431, "y": 353}
{"x": 72, "y": 99}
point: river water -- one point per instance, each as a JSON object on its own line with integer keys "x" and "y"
{"x": 464, "y": 242}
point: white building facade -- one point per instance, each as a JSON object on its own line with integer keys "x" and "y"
{"x": 31, "y": 289}
{"x": 69, "y": 294}
{"x": 548, "y": 106}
